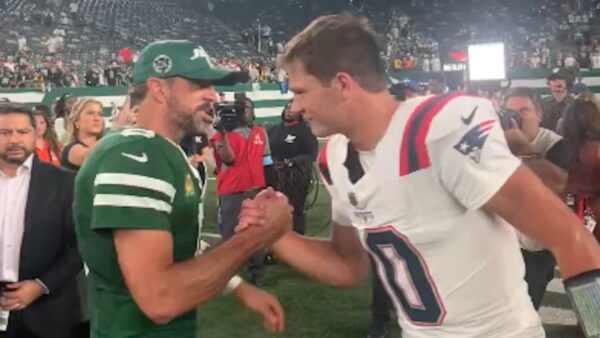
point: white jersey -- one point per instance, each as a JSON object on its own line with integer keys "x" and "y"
{"x": 451, "y": 269}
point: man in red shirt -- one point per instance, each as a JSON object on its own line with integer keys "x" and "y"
{"x": 241, "y": 151}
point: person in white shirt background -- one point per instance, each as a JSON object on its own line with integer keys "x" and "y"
{"x": 595, "y": 59}
{"x": 38, "y": 252}
{"x": 22, "y": 43}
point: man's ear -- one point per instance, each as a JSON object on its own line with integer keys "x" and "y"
{"x": 539, "y": 114}
{"x": 343, "y": 83}
{"x": 157, "y": 89}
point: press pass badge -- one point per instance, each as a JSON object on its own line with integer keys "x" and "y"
{"x": 589, "y": 221}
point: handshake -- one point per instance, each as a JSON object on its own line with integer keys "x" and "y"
{"x": 269, "y": 214}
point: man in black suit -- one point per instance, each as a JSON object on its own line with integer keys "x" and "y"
{"x": 38, "y": 253}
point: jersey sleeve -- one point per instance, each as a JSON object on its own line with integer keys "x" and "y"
{"x": 469, "y": 152}
{"x": 338, "y": 214}
{"x": 133, "y": 189}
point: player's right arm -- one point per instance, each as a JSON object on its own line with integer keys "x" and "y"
{"x": 339, "y": 261}
{"x": 133, "y": 195}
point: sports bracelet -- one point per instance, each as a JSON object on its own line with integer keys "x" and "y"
{"x": 233, "y": 284}
{"x": 534, "y": 156}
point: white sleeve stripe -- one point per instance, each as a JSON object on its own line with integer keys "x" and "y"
{"x": 136, "y": 181}
{"x": 126, "y": 201}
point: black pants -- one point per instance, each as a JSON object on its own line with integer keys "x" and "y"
{"x": 230, "y": 207}
{"x": 539, "y": 271}
{"x": 294, "y": 183}
{"x": 381, "y": 306}
{"x": 19, "y": 329}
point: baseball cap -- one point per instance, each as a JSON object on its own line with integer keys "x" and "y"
{"x": 411, "y": 85}
{"x": 182, "y": 58}
{"x": 561, "y": 73}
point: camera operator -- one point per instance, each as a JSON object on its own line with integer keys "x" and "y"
{"x": 544, "y": 152}
{"x": 294, "y": 149}
{"x": 239, "y": 158}
{"x": 263, "y": 175}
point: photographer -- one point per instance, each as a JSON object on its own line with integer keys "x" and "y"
{"x": 294, "y": 150}
{"x": 543, "y": 151}
{"x": 239, "y": 152}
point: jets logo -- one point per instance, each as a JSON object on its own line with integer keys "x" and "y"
{"x": 162, "y": 64}
{"x": 199, "y": 52}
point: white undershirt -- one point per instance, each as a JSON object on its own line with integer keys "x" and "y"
{"x": 13, "y": 201}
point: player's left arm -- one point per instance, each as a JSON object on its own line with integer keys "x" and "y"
{"x": 475, "y": 165}
{"x": 529, "y": 206}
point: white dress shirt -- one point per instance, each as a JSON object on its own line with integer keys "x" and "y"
{"x": 13, "y": 200}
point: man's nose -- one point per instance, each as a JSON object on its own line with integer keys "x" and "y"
{"x": 296, "y": 106}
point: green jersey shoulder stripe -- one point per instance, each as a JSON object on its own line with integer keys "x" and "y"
{"x": 126, "y": 201}
{"x": 138, "y": 181}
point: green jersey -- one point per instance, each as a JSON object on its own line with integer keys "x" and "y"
{"x": 137, "y": 180}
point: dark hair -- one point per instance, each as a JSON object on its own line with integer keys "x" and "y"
{"x": 15, "y": 108}
{"x": 581, "y": 123}
{"x": 137, "y": 94}
{"x": 243, "y": 99}
{"x": 524, "y": 92}
{"x": 339, "y": 43}
{"x": 60, "y": 107}
{"x": 287, "y": 106}
{"x": 50, "y": 135}
{"x": 42, "y": 109}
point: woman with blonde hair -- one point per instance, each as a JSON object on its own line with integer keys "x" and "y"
{"x": 85, "y": 127}
{"x": 47, "y": 146}
{"x": 581, "y": 132}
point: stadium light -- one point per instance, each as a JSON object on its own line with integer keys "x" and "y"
{"x": 487, "y": 62}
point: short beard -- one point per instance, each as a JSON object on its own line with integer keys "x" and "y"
{"x": 16, "y": 161}
{"x": 185, "y": 123}
{"x": 290, "y": 119}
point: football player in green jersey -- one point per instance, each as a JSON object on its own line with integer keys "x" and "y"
{"x": 137, "y": 210}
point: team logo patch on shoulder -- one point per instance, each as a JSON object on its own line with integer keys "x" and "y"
{"x": 189, "y": 186}
{"x": 472, "y": 143}
{"x": 162, "y": 64}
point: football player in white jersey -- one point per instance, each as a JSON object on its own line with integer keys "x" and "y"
{"x": 428, "y": 187}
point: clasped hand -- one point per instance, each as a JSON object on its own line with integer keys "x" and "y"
{"x": 269, "y": 210}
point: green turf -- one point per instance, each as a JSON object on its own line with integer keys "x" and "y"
{"x": 312, "y": 310}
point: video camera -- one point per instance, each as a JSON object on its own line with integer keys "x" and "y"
{"x": 228, "y": 115}
{"x": 506, "y": 115}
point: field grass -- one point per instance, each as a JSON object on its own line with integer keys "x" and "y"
{"x": 312, "y": 310}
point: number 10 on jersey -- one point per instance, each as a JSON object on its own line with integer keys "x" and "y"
{"x": 405, "y": 276}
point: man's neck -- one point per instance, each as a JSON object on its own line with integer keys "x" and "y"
{"x": 559, "y": 97}
{"x": 9, "y": 169}
{"x": 531, "y": 136}
{"x": 162, "y": 127}
{"x": 88, "y": 140}
{"x": 372, "y": 123}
